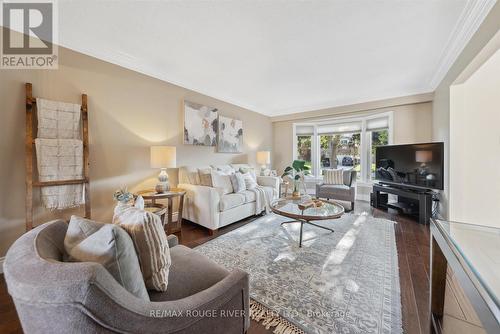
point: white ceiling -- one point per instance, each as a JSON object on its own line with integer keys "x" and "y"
{"x": 279, "y": 57}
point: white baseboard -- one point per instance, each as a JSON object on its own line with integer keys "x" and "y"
{"x": 1, "y": 264}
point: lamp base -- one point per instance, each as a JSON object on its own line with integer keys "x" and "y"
{"x": 163, "y": 185}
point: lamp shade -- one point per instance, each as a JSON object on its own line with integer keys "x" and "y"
{"x": 264, "y": 157}
{"x": 423, "y": 156}
{"x": 163, "y": 157}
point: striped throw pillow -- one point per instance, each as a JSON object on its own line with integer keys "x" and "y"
{"x": 333, "y": 176}
{"x": 150, "y": 242}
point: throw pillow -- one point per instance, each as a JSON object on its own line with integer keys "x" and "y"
{"x": 250, "y": 182}
{"x": 205, "y": 175}
{"x": 222, "y": 181}
{"x": 333, "y": 176}
{"x": 238, "y": 182}
{"x": 248, "y": 170}
{"x": 109, "y": 245}
{"x": 150, "y": 242}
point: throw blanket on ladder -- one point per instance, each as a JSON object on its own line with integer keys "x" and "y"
{"x": 59, "y": 153}
{"x": 58, "y": 160}
{"x": 58, "y": 120}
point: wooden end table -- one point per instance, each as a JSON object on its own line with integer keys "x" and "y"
{"x": 165, "y": 212}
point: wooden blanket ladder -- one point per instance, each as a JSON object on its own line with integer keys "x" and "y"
{"x": 31, "y": 134}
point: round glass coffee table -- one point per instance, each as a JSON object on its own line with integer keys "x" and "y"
{"x": 289, "y": 207}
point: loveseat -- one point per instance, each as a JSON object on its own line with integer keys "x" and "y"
{"x": 210, "y": 207}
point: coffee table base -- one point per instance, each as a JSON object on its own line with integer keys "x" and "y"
{"x": 302, "y": 222}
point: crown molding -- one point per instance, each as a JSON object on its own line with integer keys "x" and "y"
{"x": 469, "y": 21}
{"x": 358, "y": 107}
{"x": 138, "y": 65}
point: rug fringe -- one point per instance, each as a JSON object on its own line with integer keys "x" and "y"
{"x": 270, "y": 318}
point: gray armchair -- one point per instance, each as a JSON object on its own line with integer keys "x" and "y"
{"x": 344, "y": 192}
{"x": 52, "y": 296}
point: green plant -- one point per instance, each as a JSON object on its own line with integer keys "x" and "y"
{"x": 297, "y": 171}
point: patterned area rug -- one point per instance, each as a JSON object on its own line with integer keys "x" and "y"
{"x": 341, "y": 282}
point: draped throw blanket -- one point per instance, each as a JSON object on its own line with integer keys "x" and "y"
{"x": 59, "y": 153}
{"x": 262, "y": 199}
{"x": 58, "y": 160}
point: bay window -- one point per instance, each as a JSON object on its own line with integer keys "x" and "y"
{"x": 346, "y": 143}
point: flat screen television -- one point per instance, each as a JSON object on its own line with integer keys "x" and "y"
{"x": 414, "y": 165}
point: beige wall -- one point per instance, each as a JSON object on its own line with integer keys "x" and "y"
{"x": 128, "y": 112}
{"x": 441, "y": 105}
{"x": 412, "y": 124}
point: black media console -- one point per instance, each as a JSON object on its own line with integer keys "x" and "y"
{"x": 410, "y": 201}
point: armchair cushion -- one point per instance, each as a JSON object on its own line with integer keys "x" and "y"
{"x": 109, "y": 245}
{"x": 338, "y": 192}
{"x": 191, "y": 272}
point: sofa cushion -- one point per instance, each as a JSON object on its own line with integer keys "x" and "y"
{"x": 150, "y": 241}
{"x": 238, "y": 182}
{"x": 227, "y": 169}
{"x": 189, "y": 175}
{"x": 250, "y": 182}
{"x": 230, "y": 201}
{"x": 223, "y": 181}
{"x": 245, "y": 168}
{"x": 205, "y": 175}
{"x": 249, "y": 196}
{"x": 109, "y": 245}
{"x": 190, "y": 273}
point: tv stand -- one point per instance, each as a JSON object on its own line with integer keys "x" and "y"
{"x": 424, "y": 198}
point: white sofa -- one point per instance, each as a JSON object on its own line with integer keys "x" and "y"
{"x": 209, "y": 207}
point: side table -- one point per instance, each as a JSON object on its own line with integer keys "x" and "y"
{"x": 165, "y": 212}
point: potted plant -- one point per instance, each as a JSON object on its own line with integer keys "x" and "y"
{"x": 296, "y": 172}
{"x": 123, "y": 196}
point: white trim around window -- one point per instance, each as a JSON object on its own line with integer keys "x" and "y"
{"x": 386, "y": 121}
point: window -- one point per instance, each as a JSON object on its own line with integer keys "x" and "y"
{"x": 304, "y": 149}
{"x": 340, "y": 151}
{"x": 343, "y": 143}
{"x": 378, "y": 138}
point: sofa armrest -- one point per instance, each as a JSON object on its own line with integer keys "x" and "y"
{"x": 202, "y": 205}
{"x": 269, "y": 181}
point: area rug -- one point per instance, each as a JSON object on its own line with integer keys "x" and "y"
{"x": 341, "y": 282}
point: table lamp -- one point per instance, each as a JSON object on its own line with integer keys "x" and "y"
{"x": 163, "y": 157}
{"x": 263, "y": 159}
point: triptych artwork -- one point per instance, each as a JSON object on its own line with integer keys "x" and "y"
{"x": 203, "y": 126}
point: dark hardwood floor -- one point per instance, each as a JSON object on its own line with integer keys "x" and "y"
{"x": 412, "y": 242}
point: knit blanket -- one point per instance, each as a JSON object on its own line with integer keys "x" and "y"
{"x": 58, "y": 120}
{"x": 58, "y": 160}
{"x": 262, "y": 199}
